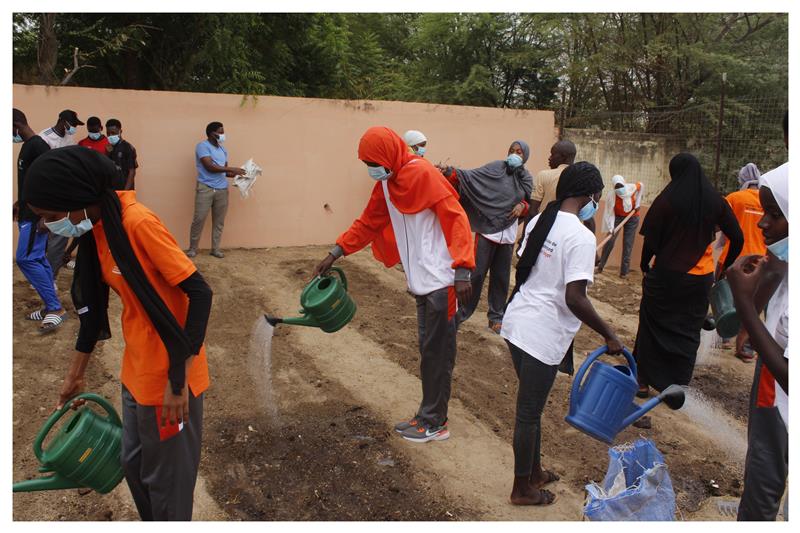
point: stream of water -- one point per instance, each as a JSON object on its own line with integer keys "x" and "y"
{"x": 261, "y": 364}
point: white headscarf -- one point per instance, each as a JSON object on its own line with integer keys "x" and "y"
{"x": 777, "y": 181}
{"x": 747, "y": 175}
{"x": 414, "y": 137}
{"x": 625, "y": 192}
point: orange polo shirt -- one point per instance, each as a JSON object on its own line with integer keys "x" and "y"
{"x": 145, "y": 361}
{"x": 746, "y": 206}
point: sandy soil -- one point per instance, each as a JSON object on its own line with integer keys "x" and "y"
{"x": 324, "y": 449}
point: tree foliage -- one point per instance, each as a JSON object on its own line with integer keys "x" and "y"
{"x": 616, "y": 62}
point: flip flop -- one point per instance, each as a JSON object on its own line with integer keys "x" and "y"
{"x": 37, "y": 315}
{"x": 52, "y": 321}
{"x": 744, "y": 357}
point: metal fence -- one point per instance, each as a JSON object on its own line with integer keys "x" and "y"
{"x": 750, "y": 132}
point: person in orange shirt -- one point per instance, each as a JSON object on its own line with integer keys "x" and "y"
{"x": 413, "y": 216}
{"x": 678, "y": 231}
{"x": 165, "y": 309}
{"x": 746, "y": 206}
{"x": 624, "y": 200}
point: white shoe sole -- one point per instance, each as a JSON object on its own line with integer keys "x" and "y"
{"x": 437, "y": 436}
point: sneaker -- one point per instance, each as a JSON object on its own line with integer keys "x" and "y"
{"x": 191, "y": 252}
{"x": 402, "y": 426}
{"x": 423, "y": 433}
{"x": 217, "y": 253}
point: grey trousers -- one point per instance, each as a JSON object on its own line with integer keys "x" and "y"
{"x": 766, "y": 465}
{"x": 494, "y": 259}
{"x": 628, "y": 235}
{"x": 161, "y": 469}
{"x": 216, "y": 200}
{"x": 56, "y": 246}
{"x": 437, "y": 350}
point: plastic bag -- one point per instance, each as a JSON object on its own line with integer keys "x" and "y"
{"x": 246, "y": 182}
{"x": 637, "y": 486}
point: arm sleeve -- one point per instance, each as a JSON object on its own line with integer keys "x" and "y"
{"x": 579, "y": 262}
{"x": 200, "y": 296}
{"x": 457, "y": 232}
{"x": 538, "y": 189}
{"x": 152, "y": 239}
{"x": 366, "y": 227}
{"x": 730, "y": 227}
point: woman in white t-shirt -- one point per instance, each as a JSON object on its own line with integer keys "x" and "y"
{"x": 754, "y": 280}
{"x": 544, "y": 313}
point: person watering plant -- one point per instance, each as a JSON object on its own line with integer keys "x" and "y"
{"x": 413, "y": 216}
{"x": 622, "y": 205}
{"x": 544, "y": 313}
{"x": 165, "y": 309}
{"x": 678, "y": 231}
{"x": 417, "y": 141}
{"x": 494, "y": 197}
{"x": 746, "y": 206}
{"x": 756, "y": 280}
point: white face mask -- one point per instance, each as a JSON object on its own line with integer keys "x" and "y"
{"x": 378, "y": 173}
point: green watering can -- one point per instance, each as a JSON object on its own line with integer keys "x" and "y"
{"x": 722, "y": 305}
{"x": 84, "y": 453}
{"x": 325, "y": 304}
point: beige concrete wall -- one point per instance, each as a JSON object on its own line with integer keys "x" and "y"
{"x": 307, "y": 148}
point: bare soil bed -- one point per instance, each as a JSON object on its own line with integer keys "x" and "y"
{"x": 325, "y": 449}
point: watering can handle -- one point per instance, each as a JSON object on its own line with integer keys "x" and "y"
{"x": 576, "y": 382}
{"x": 341, "y": 275}
{"x": 55, "y": 417}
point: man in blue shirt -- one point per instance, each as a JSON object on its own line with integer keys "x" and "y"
{"x": 211, "y": 160}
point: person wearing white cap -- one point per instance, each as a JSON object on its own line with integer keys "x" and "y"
{"x": 622, "y": 200}
{"x": 417, "y": 141}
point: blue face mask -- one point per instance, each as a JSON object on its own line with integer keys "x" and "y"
{"x": 66, "y": 228}
{"x": 113, "y": 139}
{"x": 17, "y": 138}
{"x": 378, "y": 173}
{"x": 780, "y": 249}
{"x": 221, "y": 137}
{"x": 588, "y": 210}
{"x": 95, "y": 136}
{"x": 514, "y": 160}
{"x": 421, "y": 151}
{"x": 71, "y": 130}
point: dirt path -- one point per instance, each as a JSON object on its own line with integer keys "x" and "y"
{"x": 323, "y": 448}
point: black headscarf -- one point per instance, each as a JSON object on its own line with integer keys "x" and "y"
{"x": 71, "y": 179}
{"x": 681, "y": 222}
{"x": 578, "y": 179}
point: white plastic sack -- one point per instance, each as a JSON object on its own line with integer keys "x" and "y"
{"x": 637, "y": 486}
{"x": 251, "y": 172}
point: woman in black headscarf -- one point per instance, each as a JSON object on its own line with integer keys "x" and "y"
{"x": 494, "y": 197}
{"x": 544, "y": 313}
{"x": 678, "y": 231}
{"x": 166, "y": 304}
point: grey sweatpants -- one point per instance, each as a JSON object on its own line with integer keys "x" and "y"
{"x": 767, "y": 462}
{"x": 56, "y": 246}
{"x": 628, "y": 235}
{"x": 207, "y": 198}
{"x": 495, "y": 260}
{"x": 437, "y": 350}
{"x": 160, "y": 468}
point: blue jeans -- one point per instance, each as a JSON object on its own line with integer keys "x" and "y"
{"x": 35, "y": 266}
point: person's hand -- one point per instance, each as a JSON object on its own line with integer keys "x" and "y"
{"x": 614, "y": 345}
{"x": 324, "y": 265}
{"x": 175, "y": 408}
{"x": 744, "y": 275}
{"x": 74, "y": 384}
{"x": 517, "y": 211}
{"x": 238, "y": 171}
{"x": 463, "y": 291}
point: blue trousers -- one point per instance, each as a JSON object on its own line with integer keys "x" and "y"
{"x": 35, "y": 266}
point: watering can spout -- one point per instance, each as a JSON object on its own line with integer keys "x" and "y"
{"x": 301, "y": 321}
{"x": 673, "y": 396}
{"x": 54, "y": 482}
{"x": 273, "y": 320}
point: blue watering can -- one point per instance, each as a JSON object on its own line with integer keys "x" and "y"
{"x": 603, "y": 405}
